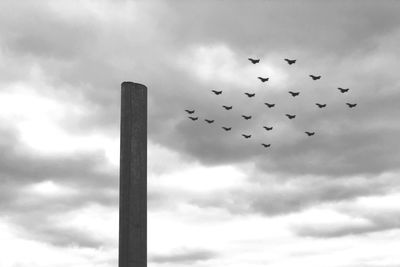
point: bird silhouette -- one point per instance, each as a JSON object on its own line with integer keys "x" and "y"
{"x": 315, "y": 77}
{"x": 263, "y": 79}
{"x": 193, "y": 118}
{"x": 351, "y": 105}
{"x": 209, "y": 121}
{"x": 268, "y": 128}
{"x": 226, "y": 128}
{"x": 310, "y": 133}
{"x": 320, "y": 105}
{"x": 246, "y": 117}
{"x": 189, "y": 111}
{"x": 269, "y": 105}
{"x": 290, "y": 116}
{"x": 227, "y": 107}
{"x": 217, "y": 92}
{"x": 290, "y": 61}
{"x": 246, "y": 135}
{"x": 266, "y": 145}
{"x": 343, "y": 90}
{"x": 250, "y": 95}
{"x": 254, "y": 61}
{"x": 294, "y": 93}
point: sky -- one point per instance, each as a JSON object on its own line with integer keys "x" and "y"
{"x": 214, "y": 198}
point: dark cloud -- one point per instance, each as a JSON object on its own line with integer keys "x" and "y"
{"x": 319, "y": 26}
{"x": 347, "y": 142}
{"x": 184, "y": 257}
{"x": 353, "y": 47}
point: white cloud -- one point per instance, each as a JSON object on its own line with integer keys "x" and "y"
{"x": 218, "y": 64}
{"x": 49, "y": 189}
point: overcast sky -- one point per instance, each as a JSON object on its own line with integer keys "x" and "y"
{"x": 215, "y": 198}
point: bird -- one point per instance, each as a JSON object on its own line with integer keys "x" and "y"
{"x": 246, "y": 135}
{"x": 290, "y": 61}
{"x": 268, "y": 128}
{"x": 343, "y": 90}
{"x": 263, "y": 79}
{"x": 320, "y": 105}
{"x": 217, "y": 92}
{"x": 266, "y": 145}
{"x": 246, "y": 117}
{"x": 269, "y": 105}
{"x": 351, "y": 105}
{"x": 310, "y": 133}
{"x": 315, "y": 77}
{"x": 226, "y": 128}
{"x": 290, "y": 116}
{"x": 193, "y": 118}
{"x": 189, "y": 111}
{"x": 227, "y": 107}
{"x": 254, "y": 61}
{"x": 294, "y": 93}
{"x": 250, "y": 95}
{"x": 209, "y": 121}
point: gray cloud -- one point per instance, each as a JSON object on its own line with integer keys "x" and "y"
{"x": 40, "y": 227}
{"x": 184, "y": 256}
{"x": 85, "y": 58}
{"x": 383, "y": 221}
{"x": 346, "y": 142}
{"x": 278, "y": 195}
{"x": 21, "y": 168}
{"x": 93, "y": 60}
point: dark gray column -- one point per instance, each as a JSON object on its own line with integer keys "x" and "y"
{"x": 133, "y": 176}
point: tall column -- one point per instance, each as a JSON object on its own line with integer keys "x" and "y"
{"x": 133, "y": 176}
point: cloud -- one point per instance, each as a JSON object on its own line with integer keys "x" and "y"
{"x": 186, "y": 256}
{"x": 367, "y": 215}
{"x": 274, "y": 195}
{"x": 75, "y": 181}
{"x": 214, "y": 54}
{"x": 81, "y": 54}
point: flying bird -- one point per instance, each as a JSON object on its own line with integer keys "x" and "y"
{"x": 263, "y": 79}
{"x": 269, "y": 105}
{"x": 189, "y": 111}
{"x": 226, "y": 128}
{"x": 290, "y": 116}
{"x": 246, "y": 136}
{"x": 267, "y": 128}
{"x": 227, "y": 107}
{"x": 209, "y": 121}
{"x": 266, "y": 145}
{"x": 310, "y": 133}
{"x": 315, "y": 77}
{"x": 320, "y": 105}
{"x": 343, "y": 90}
{"x": 290, "y": 61}
{"x": 254, "y": 61}
{"x": 351, "y": 105}
{"x": 217, "y": 92}
{"x": 193, "y": 118}
{"x": 246, "y": 117}
{"x": 294, "y": 93}
{"x": 250, "y": 95}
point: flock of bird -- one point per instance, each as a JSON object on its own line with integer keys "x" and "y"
{"x": 269, "y": 105}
